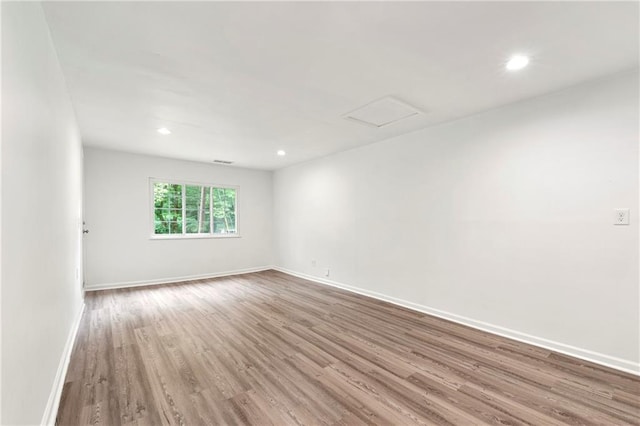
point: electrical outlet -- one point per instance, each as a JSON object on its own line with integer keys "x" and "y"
{"x": 326, "y": 272}
{"x": 621, "y": 217}
{"x": 313, "y": 263}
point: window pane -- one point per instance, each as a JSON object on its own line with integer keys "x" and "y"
{"x": 161, "y": 227}
{"x": 224, "y": 211}
{"x": 168, "y": 226}
{"x": 197, "y": 209}
{"x": 160, "y": 194}
{"x": 168, "y": 208}
{"x": 175, "y": 196}
{"x": 167, "y": 195}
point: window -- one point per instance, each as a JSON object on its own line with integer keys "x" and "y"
{"x": 193, "y": 210}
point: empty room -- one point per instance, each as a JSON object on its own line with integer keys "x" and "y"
{"x": 320, "y": 213}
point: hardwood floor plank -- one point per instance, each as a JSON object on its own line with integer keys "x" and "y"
{"x": 132, "y": 386}
{"x": 271, "y": 349}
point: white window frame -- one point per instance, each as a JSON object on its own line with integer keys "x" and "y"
{"x": 184, "y": 235}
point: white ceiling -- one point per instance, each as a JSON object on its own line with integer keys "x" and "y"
{"x": 238, "y": 81}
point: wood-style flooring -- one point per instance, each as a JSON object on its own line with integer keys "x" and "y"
{"x": 271, "y": 349}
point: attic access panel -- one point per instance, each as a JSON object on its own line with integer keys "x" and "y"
{"x": 382, "y": 112}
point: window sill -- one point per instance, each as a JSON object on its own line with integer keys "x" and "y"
{"x": 193, "y": 236}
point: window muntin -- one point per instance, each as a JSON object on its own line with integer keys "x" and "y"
{"x": 193, "y": 210}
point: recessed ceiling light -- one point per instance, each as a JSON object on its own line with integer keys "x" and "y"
{"x": 517, "y": 62}
{"x": 281, "y": 153}
{"x": 164, "y": 131}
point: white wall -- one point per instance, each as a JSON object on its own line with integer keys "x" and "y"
{"x": 118, "y": 247}
{"x": 41, "y": 214}
{"x": 503, "y": 218}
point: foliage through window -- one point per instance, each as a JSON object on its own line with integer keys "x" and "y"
{"x": 185, "y": 209}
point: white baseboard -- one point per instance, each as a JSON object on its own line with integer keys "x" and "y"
{"x": 51, "y": 410}
{"x": 584, "y": 354}
{"x": 111, "y": 286}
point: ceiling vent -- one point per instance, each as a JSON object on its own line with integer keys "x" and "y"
{"x": 382, "y": 112}
{"x": 223, "y": 162}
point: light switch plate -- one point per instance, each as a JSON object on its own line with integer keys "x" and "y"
{"x": 621, "y": 217}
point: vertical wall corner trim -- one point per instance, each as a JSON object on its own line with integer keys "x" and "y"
{"x": 51, "y": 410}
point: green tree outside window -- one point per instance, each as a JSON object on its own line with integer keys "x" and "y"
{"x": 193, "y": 209}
